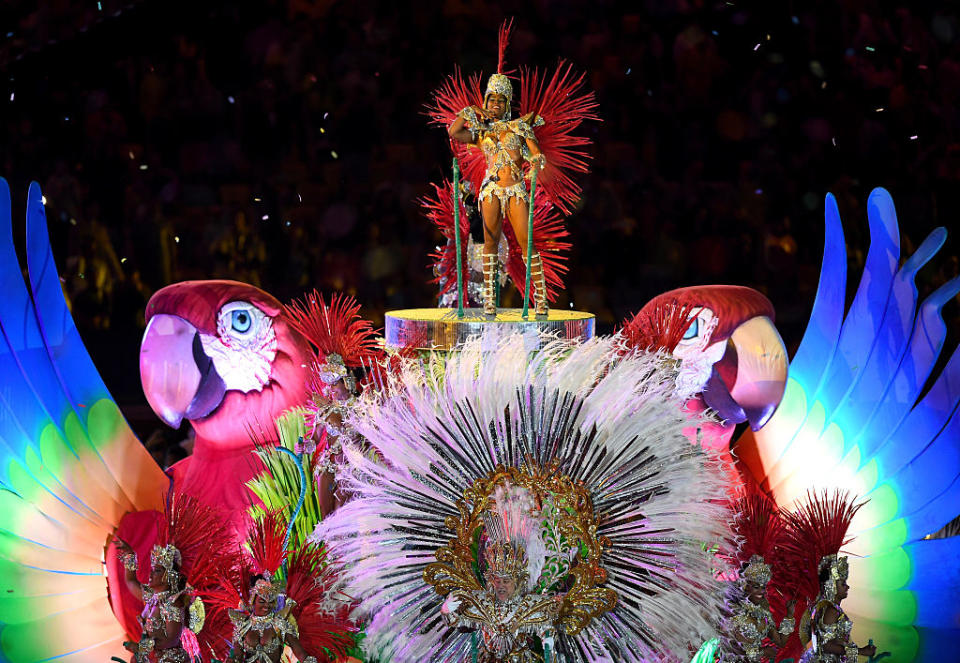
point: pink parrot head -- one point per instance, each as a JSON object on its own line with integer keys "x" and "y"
{"x": 222, "y": 355}
{"x": 732, "y": 358}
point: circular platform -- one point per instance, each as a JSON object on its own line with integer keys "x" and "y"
{"x": 440, "y": 329}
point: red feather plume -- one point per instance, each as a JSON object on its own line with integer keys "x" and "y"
{"x": 265, "y": 539}
{"x": 503, "y": 40}
{"x": 660, "y": 328}
{"x": 815, "y": 530}
{"x": 337, "y": 328}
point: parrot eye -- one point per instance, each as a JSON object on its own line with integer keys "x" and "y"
{"x": 240, "y": 321}
{"x": 693, "y": 330}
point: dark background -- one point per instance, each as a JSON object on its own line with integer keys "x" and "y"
{"x": 283, "y": 143}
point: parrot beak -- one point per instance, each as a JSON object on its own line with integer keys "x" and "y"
{"x": 178, "y": 379}
{"x": 747, "y": 384}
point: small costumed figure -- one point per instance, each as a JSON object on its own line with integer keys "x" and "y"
{"x": 280, "y": 598}
{"x": 751, "y": 623}
{"x": 499, "y": 154}
{"x": 182, "y": 565}
{"x": 751, "y": 632}
{"x": 345, "y": 344}
{"x": 829, "y": 625}
{"x": 815, "y": 534}
{"x": 507, "y": 612}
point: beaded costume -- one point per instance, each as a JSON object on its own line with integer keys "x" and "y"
{"x": 822, "y": 633}
{"x": 293, "y": 586}
{"x": 498, "y": 155}
{"x": 189, "y": 536}
{"x": 751, "y": 623}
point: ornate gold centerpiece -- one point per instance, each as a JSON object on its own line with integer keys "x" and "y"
{"x": 555, "y": 564}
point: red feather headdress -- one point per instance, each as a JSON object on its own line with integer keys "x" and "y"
{"x": 337, "y": 328}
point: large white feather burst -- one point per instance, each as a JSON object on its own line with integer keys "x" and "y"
{"x": 612, "y": 422}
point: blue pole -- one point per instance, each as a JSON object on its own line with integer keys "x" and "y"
{"x": 303, "y": 490}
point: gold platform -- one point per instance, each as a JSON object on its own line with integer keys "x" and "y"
{"x": 440, "y": 329}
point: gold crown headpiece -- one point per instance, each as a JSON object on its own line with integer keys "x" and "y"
{"x": 499, "y": 84}
{"x": 839, "y": 571}
{"x": 166, "y": 557}
{"x": 506, "y": 559}
{"x": 757, "y": 572}
{"x": 269, "y": 588}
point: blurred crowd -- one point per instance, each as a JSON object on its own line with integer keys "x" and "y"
{"x": 283, "y": 143}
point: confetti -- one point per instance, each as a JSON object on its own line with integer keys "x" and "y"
{"x": 176, "y": 238}
{"x": 130, "y": 154}
{"x": 757, "y": 47}
{"x": 914, "y": 137}
{"x": 286, "y": 223}
{"x": 99, "y": 6}
{"x": 629, "y": 69}
{"x": 43, "y": 199}
{"x": 758, "y": 191}
{"x": 257, "y": 199}
{"x": 11, "y": 96}
{"x": 299, "y": 197}
{"x": 325, "y": 115}
{"x": 334, "y": 154}
{"x": 715, "y": 33}
{"x": 871, "y": 49}
{"x": 122, "y": 260}
{"x": 264, "y": 217}
{"x": 322, "y": 130}
{"x": 795, "y": 20}
{"x": 834, "y": 140}
{"x": 823, "y": 85}
{"x": 879, "y": 110}
{"x": 143, "y": 166}
{"x": 231, "y": 99}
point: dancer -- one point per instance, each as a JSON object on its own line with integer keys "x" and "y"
{"x": 276, "y": 597}
{"x": 830, "y": 626}
{"x": 751, "y": 622}
{"x": 181, "y": 566}
{"x": 499, "y": 153}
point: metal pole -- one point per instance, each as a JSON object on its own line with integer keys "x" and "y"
{"x": 456, "y": 234}
{"x": 526, "y": 290}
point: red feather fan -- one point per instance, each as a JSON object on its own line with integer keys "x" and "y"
{"x": 548, "y": 235}
{"x": 555, "y": 98}
{"x": 815, "y": 530}
{"x": 337, "y": 328}
{"x": 439, "y": 209}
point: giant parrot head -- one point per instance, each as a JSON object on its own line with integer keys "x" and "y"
{"x": 732, "y": 358}
{"x": 221, "y": 355}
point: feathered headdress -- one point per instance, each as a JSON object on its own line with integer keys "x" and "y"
{"x": 815, "y": 531}
{"x": 499, "y": 83}
{"x": 336, "y": 329}
{"x": 608, "y": 425}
